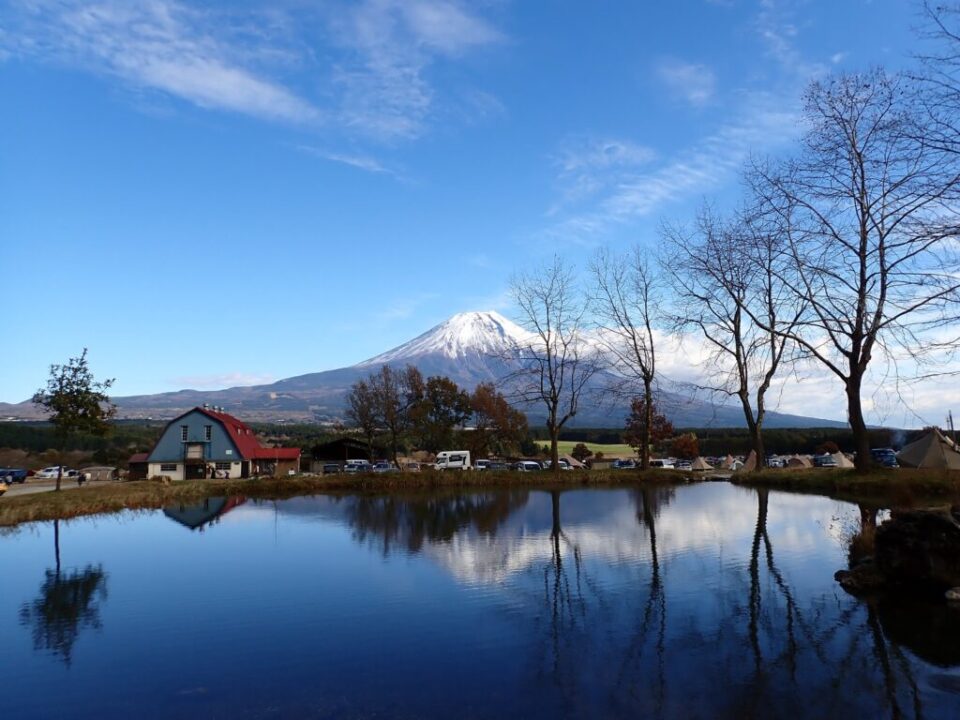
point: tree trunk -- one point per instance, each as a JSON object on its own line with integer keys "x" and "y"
{"x": 647, "y": 424}
{"x": 756, "y": 440}
{"x": 59, "y": 473}
{"x": 554, "y": 450}
{"x": 861, "y": 441}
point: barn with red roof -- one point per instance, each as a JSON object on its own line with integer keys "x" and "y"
{"x": 207, "y": 442}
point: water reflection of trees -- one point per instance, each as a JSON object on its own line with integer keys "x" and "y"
{"x": 408, "y": 521}
{"x": 67, "y": 603}
{"x": 770, "y": 654}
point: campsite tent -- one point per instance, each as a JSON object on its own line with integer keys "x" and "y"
{"x": 842, "y": 460}
{"x": 700, "y": 464}
{"x": 100, "y": 473}
{"x": 751, "y": 462}
{"x": 933, "y": 450}
{"x": 799, "y": 461}
{"x": 728, "y": 462}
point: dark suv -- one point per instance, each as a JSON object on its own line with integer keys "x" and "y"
{"x": 13, "y": 475}
{"x": 885, "y": 457}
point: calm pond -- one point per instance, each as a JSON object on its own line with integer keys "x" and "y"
{"x": 700, "y": 601}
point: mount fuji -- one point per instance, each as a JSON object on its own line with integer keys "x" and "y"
{"x": 469, "y": 348}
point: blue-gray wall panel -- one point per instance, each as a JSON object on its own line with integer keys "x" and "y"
{"x": 170, "y": 446}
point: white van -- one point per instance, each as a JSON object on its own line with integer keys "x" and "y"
{"x": 453, "y": 460}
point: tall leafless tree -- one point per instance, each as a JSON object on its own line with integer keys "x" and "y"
{"x": 868, "y": 209}
{"x": 555, "y": 366}
{"x": 724, "y": 276}
{"x": 939, "y": 75}
{"x": 626, "y": 299}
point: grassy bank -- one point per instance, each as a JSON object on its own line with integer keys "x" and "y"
{"x": 147, "y": 494}
{"x": 902, "y": 487}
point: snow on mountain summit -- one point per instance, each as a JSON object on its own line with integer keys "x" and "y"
{"x": 464, "y": 334}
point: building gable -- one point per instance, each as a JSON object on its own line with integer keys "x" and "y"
{"x": 196, "y": 428}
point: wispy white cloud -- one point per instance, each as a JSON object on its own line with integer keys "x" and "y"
{"x": 691, "y": 82}
{"x": 763, "y": 123}
{"x": 158, "y": 45}
{"x": 366, "y": 163}
{"x": 385, "y": 93}
{"x": 220, "y": 381}
{"x": 355, "y": 69}
{"x": 588, "y": 166}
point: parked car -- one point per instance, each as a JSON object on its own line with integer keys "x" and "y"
{"x": 50, "y": 473}
{"x": 497, "y": 465}
{"x": 384, "y": 467}
{"x": 622, "y": 465}
{"x": 824, "y": 461}
{"x": 684, "y": 465}
{"x": 13, "y": 475}
{"x": 563, "y": 463}
{"x": 885, "y": 457}
{"x": 527, "y": 466}
{"x": 481, "y": 464}
{"x": 352, "y": 467}
{"x": 331, "y": 468}
{"x": 776, "y": 462}
{"x": 661, "y": 463}
{"x": 411, "y": 467}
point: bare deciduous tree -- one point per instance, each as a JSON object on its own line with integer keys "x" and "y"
{"x": 726, "y": 285}
{"x": 626, "y": 299}
{"x": 868, "y": 209}
{"x": 554, "y": 367}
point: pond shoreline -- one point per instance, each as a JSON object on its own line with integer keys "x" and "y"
{"x": 902, "y": 488}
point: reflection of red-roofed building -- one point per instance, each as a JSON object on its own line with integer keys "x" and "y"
{"x": 203, "y": 514}
{"x": 207, "y": 442}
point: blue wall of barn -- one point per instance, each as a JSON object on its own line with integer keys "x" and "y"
{"x": 170, "y": 447}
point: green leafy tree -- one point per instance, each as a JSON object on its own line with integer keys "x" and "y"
{"x": 362, "y": 411}
{"x": 581, "y": 452}
{"x": 442, "y": 407}
{"x": 76, "y": 402}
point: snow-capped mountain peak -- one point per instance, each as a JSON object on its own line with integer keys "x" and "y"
{"x": 464, "y": 334}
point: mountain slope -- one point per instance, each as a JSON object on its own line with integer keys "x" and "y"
{"x": 469, "y": 348}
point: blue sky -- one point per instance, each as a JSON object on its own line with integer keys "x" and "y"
{"x": 211, "y": 194}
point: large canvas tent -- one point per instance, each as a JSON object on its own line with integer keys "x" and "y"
{"x": 799, "y": 461}
{"x": 842, "y": 460}
{"x": 933, "y": 450}
{"x": 700, "y": 464}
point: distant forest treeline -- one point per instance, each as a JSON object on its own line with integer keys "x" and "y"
{"x": 736, "y": 441}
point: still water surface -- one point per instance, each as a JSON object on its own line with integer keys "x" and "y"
{"x": 702, "y": 601}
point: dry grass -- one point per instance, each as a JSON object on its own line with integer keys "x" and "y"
{"x": 151, "y": 494}
{"x": 903, "y": 487}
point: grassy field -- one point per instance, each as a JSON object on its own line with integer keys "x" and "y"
{"x": 618, "y": 450}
